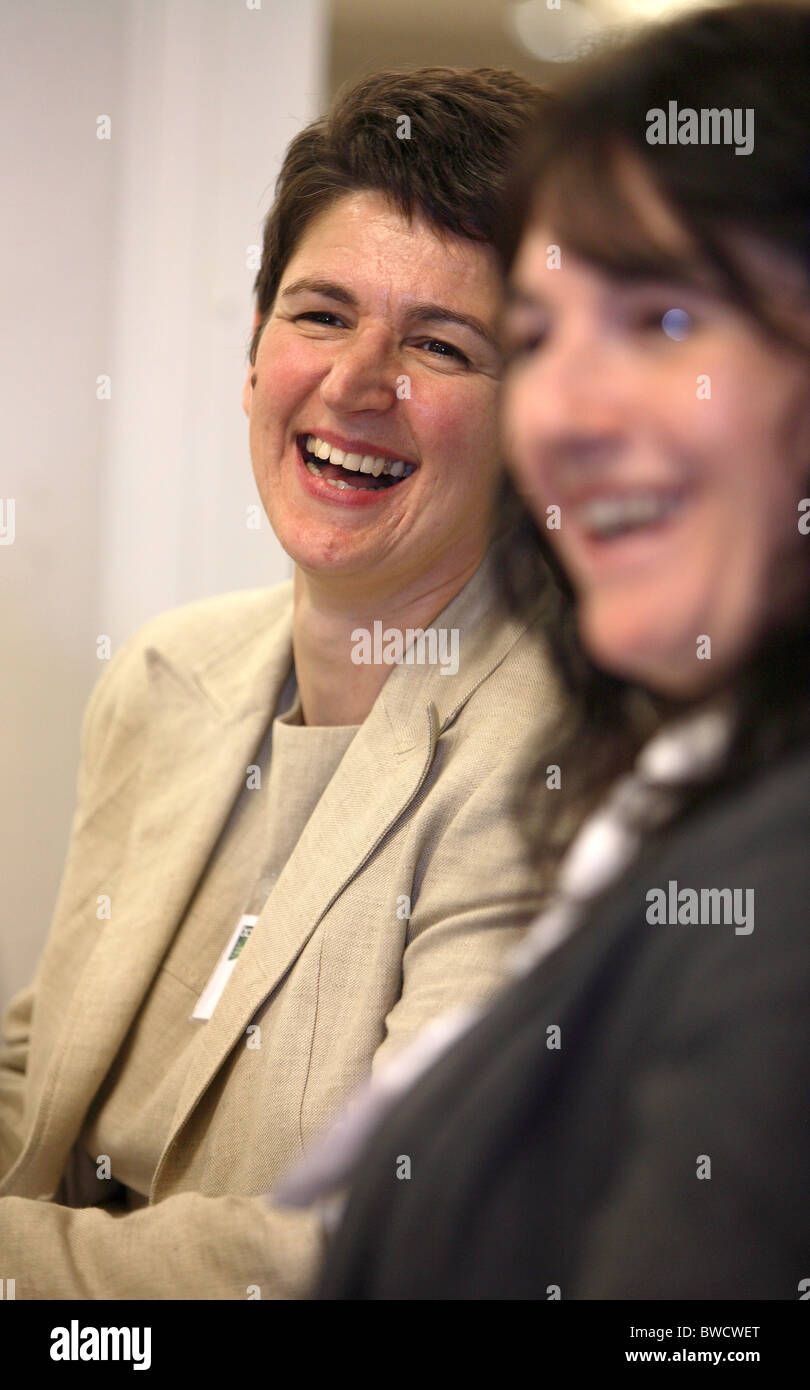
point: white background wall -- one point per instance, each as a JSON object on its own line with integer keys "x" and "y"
{"x": 125, "y": 257}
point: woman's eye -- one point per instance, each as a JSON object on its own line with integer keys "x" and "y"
{"x": 445, "y": 349}
{"x": 318, "y": 316}
{"x": 672, "y": 322}
{"x": 522, "y": 347}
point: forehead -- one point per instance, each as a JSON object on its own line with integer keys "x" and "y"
{"x": 366, "y": 241}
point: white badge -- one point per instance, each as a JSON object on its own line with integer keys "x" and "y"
{"x": 209, "y": 998}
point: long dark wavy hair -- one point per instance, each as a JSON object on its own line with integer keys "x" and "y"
{"x": 747, "y": 55}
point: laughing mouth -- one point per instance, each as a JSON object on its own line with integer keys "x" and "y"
{"x": 360, "y": 472}
{"x": 612, "y": 515}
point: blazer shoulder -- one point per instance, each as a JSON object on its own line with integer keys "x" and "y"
{"x": 522, "y": 695}
{"x": 723, "y": 896}
{"x": 194, "y": 637}
{"x": 202, "y": 632}
{"x": 745, "y": 824}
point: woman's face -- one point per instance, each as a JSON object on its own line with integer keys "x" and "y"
{"x": 382, "y": 344}
{"x": 677, "y": 458}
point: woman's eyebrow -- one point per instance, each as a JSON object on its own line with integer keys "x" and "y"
{"x": 623, "y": 280}
{"x": 325, "y": 287}
{"x": 517, "y": 305}
{"x": 439, "y": 313}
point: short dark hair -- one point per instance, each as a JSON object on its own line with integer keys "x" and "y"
{"x": 465, "y": 128}
{"x": 750, "y": 54}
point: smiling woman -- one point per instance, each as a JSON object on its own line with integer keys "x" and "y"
{"x": 299, "y": 857}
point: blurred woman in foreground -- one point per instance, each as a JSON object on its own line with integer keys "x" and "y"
{"x": 630, "y": 1119}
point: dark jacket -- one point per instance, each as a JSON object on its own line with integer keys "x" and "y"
{"x": 662, "y": 1150}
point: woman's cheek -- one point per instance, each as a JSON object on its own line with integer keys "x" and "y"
{"x": 441, "y": 431}
{"x": 288, "y": 365}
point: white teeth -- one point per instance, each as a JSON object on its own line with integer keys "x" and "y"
{"x": 335, "y": 482}
{"x": 357, "y": 463}
{"x": 609, "y": 515}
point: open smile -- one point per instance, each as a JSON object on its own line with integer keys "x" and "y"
{"x": 611, "y": 530}
{"x": 610, "y": 516}
{"x": 346, "y": 470}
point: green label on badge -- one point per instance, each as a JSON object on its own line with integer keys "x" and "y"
{"x": 240, "y": 940}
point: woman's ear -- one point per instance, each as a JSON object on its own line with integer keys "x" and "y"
{"x": 247, "y": 389}
{"x": 250, "y": 379}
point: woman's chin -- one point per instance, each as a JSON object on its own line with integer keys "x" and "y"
{"x": 319, "y": 548}
{"x": 648, "y": 651}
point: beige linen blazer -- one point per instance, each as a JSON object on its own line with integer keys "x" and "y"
{"x": 419, "y": 806}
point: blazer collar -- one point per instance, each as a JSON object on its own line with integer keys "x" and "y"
{"x": 487, "y": 632}
{"x": 234, "y": 684}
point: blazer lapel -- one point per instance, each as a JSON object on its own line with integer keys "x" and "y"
{"x": 309, "y": 883}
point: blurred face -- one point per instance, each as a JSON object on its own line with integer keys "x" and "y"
{"x": 373, "y": 428}
{"x": 674, "y": 439}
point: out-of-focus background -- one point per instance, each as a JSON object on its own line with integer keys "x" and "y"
{"x": 127, "y": 271}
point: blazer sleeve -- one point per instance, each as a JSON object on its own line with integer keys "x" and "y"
{"x": 15, "y": 1031}
{"x": 185, "y": 1247}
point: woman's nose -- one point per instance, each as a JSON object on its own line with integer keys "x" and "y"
{"x": 362, "y": 375}
{"x": 577, "y": 387}
{"x": 567, "y": 415}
